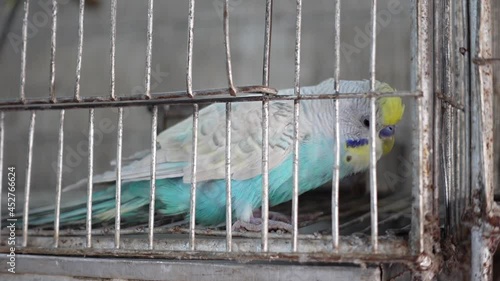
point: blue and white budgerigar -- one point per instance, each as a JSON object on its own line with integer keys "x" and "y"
{"x": 316, "y": 158}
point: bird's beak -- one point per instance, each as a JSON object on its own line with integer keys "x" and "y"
{"x": 387, "y": 145}
{"x": 386, "y": 134}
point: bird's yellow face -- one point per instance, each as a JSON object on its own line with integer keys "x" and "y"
{"x": 389, "y": 113}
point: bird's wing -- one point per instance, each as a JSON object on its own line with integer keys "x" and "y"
{"x": 174, "y": 153}
{"x": 246, "y": 140}
{"x": 174, "y": 146}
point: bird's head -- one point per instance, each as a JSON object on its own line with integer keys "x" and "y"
{"x": 355, "y": 123}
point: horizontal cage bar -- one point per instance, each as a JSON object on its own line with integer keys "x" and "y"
{"x": 204, "y": 96}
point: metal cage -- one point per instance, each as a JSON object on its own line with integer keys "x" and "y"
{"x": 452, "y": 177}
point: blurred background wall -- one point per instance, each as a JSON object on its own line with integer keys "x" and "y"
{"x": 169, "y": 65}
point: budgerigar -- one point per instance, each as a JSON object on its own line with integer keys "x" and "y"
{"x": 316, "y": 158}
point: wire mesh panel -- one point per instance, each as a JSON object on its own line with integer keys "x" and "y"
{"x": 188, "y": 239}
{"x": 496, "y": 85}
{"x": 452, "y": 129}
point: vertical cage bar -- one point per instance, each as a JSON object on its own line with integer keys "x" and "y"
{"x": 152, "y": 194}
{"x": 457, "y": 167}
{"x": 28, "y": 178}
{"x": 449, "y": 119}
{"x": 482, "y": 132}
{"x": 420, "y": 198}
{"x": 265, "y": 126}
{"x": 463, "y": 165}
{"x": 90, "y": 181}
{"x": 495, "y": 39}
{"x": 2, "y": 140}
{"x": 481, "y": 256}
{"x": 112, "y": 51}
{"x": 295, "y": 193}
{"x": 227, "y": 46}
{"x": 439, "y": 67}
{"x": 232, "y": 91}
{"x": 447, "y": 165}
{"x": 267, "y": 43}
{"x": 189, "y": 71}
{"x": 373, "y": 131}
{"x": 423, "y": 211}
{"x": 437, "y": 140}
{"x": 475, "y": 120}
{"x": 336, "y": 149}
{"x": 460, "y": 80}
{"x": 229, "y": 207}
{"x": 373, "y": 174}
{"x": 192, "y": 209}
{"x": 119, "y": 145}
{"x": 22, "y": 94}
{"x": 265, "y": 176}
{"x": 149, "y": 50}
{"x": 452, "y": 161}
{"x": 373, "y": 45}
{"x": 484, "y": 94}
{"x": 296, "y": 116}
{"x": 52, "y": 74}
{"x": 80, "y": 49}
{"x": 59, "y": 178}
{"x": 445, "y": 180}
{"x": 465, "y": 91}
{"x": 154, "y": 125}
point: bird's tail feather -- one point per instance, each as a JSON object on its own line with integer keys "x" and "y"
{"x": 103, "y": 207}
{"x": 172, "y": 198}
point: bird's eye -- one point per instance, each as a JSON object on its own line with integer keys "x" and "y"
{"x": 366, "y": 122}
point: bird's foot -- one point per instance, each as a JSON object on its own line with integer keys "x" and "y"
{"x": 255, "y": 225}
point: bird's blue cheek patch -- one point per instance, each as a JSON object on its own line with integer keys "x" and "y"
{"x": 356, "y": 143}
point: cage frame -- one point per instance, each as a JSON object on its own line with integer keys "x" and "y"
{"x": 421, "y": 253}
